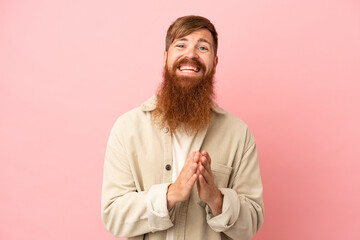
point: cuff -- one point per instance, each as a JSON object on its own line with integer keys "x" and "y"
{"x": 156, "y": 206}
{"x": 230, "y": 211}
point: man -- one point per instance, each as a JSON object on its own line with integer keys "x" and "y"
{"x": 179, "y": 166}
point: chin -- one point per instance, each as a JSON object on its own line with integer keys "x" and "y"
{"x": 188, "y": 81}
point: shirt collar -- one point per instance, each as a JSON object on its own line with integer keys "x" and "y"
{"x": 150, "y": 105}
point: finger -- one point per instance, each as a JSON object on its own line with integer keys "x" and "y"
{"x": 202, "y": 181}
{"x": 207, "y": 155}
{"x": 191, "y": 157}
{"x": 203, "y": 172}
{"x": 201, "y": 169}
{"x": 189, "y": 168}
{"x": 192, "y": 180}
{"x": 197, "y": 160}
{"x": 205, "y": 162}
{"x": 197, "y": 168}
{"x": 196, "y": 157}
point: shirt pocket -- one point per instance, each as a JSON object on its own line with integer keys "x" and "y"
{"x": 221, "y": 174}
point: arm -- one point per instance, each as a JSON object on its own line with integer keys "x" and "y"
{"x": 242, "y": 212}
{"x": 126, "y": 211}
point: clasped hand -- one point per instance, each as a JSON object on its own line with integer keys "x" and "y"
{"x": 197, "y": 168}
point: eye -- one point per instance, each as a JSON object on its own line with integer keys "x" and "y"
{"x": 180, "y": 45}
{"x": 203, "y": 48}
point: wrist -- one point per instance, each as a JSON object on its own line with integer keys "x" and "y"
{"x": 170, "y": 198}
{"x": 216, "y": 203}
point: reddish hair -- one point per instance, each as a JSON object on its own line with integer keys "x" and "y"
{"x": 183, "y": 26}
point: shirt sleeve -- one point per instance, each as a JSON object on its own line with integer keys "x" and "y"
{"x": 229, "y": 214}
{"x": 125, "y": 211}
{"x": 242, "y": 211}
{"x": 156, "y": 205}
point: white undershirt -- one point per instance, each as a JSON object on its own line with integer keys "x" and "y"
{"x": 181, "y": 143}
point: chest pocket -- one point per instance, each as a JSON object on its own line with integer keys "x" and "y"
{"x": 221, "y": 174}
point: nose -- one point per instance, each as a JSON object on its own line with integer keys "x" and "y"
{"x": 192, "y": 52}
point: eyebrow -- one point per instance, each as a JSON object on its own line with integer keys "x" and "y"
{"x": 200, "y": 40}
{"x": 204, "y": 40}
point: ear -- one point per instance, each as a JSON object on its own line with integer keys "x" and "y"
{"x": 216, "y": 63}
{"x": 165, "y": 57}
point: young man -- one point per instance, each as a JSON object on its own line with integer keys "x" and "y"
{"x": 179, "y": 166}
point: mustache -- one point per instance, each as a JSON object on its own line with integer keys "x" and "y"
{"x": 192, "y": 61}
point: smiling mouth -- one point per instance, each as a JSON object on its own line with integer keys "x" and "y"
{"x": 189, "y": 69}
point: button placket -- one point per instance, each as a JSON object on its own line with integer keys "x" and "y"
{"x": 167, "y": 167}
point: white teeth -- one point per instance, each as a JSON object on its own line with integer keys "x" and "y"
{"x": 189, "y": 69}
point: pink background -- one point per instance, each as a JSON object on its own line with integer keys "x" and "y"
{"x": 68, "y": 69}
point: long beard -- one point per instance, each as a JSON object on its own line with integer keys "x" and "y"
{"x": 185, "y": 102}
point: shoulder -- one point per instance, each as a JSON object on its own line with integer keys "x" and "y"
{"x": 231, "y": 126}
{"x": 136, "y": 117}
{"x": 227, "y": 119}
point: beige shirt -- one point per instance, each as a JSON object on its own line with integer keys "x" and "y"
{"x": 136, "y": 180}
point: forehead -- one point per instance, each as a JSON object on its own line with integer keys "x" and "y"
{"x": 201, "y": 35}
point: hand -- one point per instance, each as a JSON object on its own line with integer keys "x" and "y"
{"x": 180, "y": 190}
{"x": 208, "y": 192}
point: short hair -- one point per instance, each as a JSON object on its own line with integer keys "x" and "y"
{"x": 184, "y": 26}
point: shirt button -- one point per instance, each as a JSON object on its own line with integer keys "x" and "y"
{"x": 168, "y": 167}
{"x": 165, "y": 130}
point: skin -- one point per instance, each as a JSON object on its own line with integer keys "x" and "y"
{"x": 207, "y": 190}
{"x": 199, "y": 45}
{"x": 197, "y": 167}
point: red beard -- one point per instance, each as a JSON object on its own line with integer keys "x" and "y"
{"x": 185, "y": 102}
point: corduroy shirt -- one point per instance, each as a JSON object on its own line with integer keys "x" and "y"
{"x": 138, "y": 170}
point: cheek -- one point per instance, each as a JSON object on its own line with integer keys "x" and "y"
{"x": 170, "y": 60}
{"x": 170, "y": 64}
{"x": 210, "y": 65}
